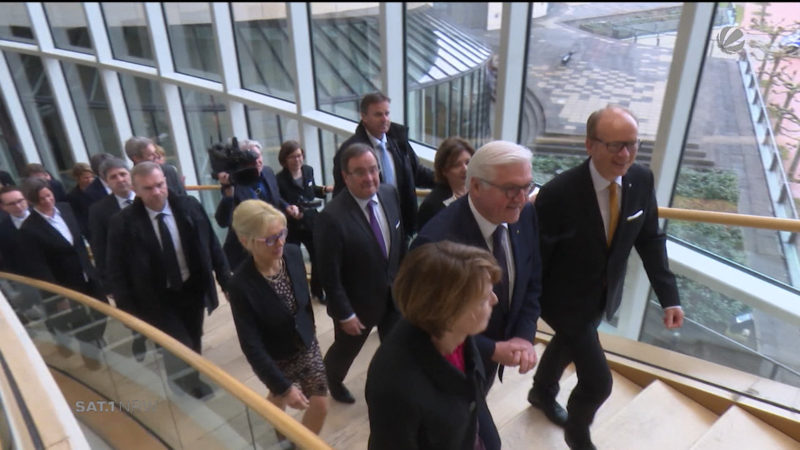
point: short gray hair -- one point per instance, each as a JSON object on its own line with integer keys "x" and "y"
{"x": 135, "y": 145}
{"x": 496, "y": 153}
{"x": 112, "y": 163}
{"x": 145, "y": 168}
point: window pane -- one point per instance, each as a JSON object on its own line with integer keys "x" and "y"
{"x": 601, "y": 53}
{"x": 329, "y": 142}
{"x": 450, "y": 45}
{"x": 40, "y": 108}
{"x": 127, "y": 31}
{"x": 208, "y": 122}
{"x": 12, "y": 160}
{"x": 68, "y": 25}
{"x": 191, "y": 37}
{"x": 347, "y": 54}
{"x": 741, "y": 154}
{"x": 148, "y": 112}
{"x": 271, "y": 130}
{"x": 15, "y": 24}
{"x": 91, "y": 107}
{"x": 263, "y": 47}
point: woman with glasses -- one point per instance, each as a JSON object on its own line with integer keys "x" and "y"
{"x": 450, "y": 173}
{"x": 297, "y": 187}
{"x": 272, "y": 312}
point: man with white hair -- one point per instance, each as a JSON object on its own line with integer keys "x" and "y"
{"x": 495, "y": 215}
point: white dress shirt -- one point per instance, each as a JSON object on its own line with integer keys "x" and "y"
{"x": 487, "y": 230}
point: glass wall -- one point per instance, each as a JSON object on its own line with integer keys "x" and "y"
{"x": 68, "y": 26}
{"x": 127, "y": 31}
{"x": 271, "y": 130}
{"x": 263, "y": 47}
{"x": 330, "y": 143}
{"x": 15, "y": 25}
{"x": 91, "y": 107}
{"x": 191, "y": 37}
{"x": 347, "y": 55}
{"x": 583, "y": 57}
{"x": 12, "y": 160}
{"x": 40, "y": 108}
{"x": 450, "y": 49}
{"x": 148, "y": 112}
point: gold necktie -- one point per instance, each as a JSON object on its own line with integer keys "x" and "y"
{"x": 613, "y": 211}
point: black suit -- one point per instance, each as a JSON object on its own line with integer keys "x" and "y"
{"x": 457, "y": 223}
{"x": 266, "y": 328}
{"x": 13, "y": 256}
{"x": 583, "y": 277}
{"x": 137, "y": 275}
{"x": 267, "y": 191}
{"x": 96, "y": 190}
{"x": 302, "y": 231}
{"x": 100, "y": 214}
{"x": 174, "y": 182}
{"x": 409, "y": 173}
{"x": 80, "y": 201}
{"x": 433, "y": 203}
{"x": 417, "y": 399}
{"x": 52, "y": 258}
{"x": 356, "y": 276}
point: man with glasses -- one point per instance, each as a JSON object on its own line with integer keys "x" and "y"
{"x": 161, "y": 266}
{"x": 590, "y": 217}
{"x": 12, "y": 252}
{"x": 495, "y": 215}
{"x": 361, "y": 243}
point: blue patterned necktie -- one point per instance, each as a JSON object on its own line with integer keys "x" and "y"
{"x": 387, "y": 165}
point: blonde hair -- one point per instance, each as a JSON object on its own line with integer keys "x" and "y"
{"x": 252, "y": 217}
{"x": 437, "y": 281}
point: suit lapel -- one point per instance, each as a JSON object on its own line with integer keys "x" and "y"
{"x": 392, "y": 221}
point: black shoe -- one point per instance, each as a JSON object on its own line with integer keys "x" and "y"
{"x": 578, "y": 438}
{"x": 340, "y": 393}
{"x": 551, "y": 409}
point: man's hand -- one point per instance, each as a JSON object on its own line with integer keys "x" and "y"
{"x": 293, "y": 211}
{"x": 224, "y": 178}
{"x": 508, "y": 353}
{"x": 527, "y": 356}
{"x": 295, "y": 398}
{"x": 353, "y": 326}
{"x": 673, "y": 317}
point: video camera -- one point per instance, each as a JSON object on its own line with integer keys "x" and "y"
{"x": 239, "y": 164}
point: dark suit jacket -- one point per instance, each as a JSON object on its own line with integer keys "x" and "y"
{"x": 582, "y": 277}
{"x": 134, "y": 265}
{"x": 410, "y": 173}
{"x": 96, "y": 191}
{"x": 13, "y": 256}
{"x": 418, "y": 400}
{"x": 100, "y": 214}
{"x": 224, "y": 214}
{"x": 433, "y": 203}
{"x": 54, "y": 259}
{"x": 80, "y": 202}
{"x": 456, "y": 223}
{"x": 355, "y": 275}
{"x": 266, "y": 329}
{"x": 57, "y": 188}
{"x": 300, "y": 196}
{"x": 174, "y": 182}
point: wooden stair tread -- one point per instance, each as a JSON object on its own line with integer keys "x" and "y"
{"x": 658, "y": 418}
{"x": 623, "y": 392}
{"x": 738, "y": 429}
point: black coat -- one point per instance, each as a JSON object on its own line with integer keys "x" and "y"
{"x": 580, "y": 272}
{"x": 134, "y": 265}
{"x": 266, "y": 329}
{"x": 13, "y": 255}
{"x": 410, "y": 173}
{"x": 433, "y": 203}
{"x": 100, "y": 214}
{"x": 418, "y": 400}
{"x": 300, "y": 196}
{"x": 80, "y": 201}
{"x": 224, "y": 214}
{"x": 356, "y": 276}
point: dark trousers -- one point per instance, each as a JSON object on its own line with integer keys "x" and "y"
{"x": 581, "y": 346}
{"x": 182, "y": 318}
{"x": 345, "y": 347}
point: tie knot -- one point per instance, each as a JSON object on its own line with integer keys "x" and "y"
{"x": 612, "y": 188}
{"x": 372, "y": 203}
{"x": 161, "y": 216}
{"x": 497, "y": 236}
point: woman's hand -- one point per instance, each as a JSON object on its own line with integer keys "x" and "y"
{"x": 295, "y": 398}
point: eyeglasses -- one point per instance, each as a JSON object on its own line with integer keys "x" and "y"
{"x": 616, "y": 147}
{"x": 512, "y": 192}
{"x": 271, "y": 240}
{"x": 361, "y": 173}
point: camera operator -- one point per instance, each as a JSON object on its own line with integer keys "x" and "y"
{"x": 243, "y": 176}
{"x": 296, "y": 183}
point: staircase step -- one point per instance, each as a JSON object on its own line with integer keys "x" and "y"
{"x": 738, "y": 429}
{"x": 623, "y": 392}
{"x": 658, "y": 418}
{"x": 509, "y": 398}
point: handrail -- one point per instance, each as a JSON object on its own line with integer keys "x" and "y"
{"x": 284, "y": 423}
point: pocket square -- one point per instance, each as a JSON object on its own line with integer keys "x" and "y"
{"x": 397, "y": 225}
{"x": 635, "y": 216}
